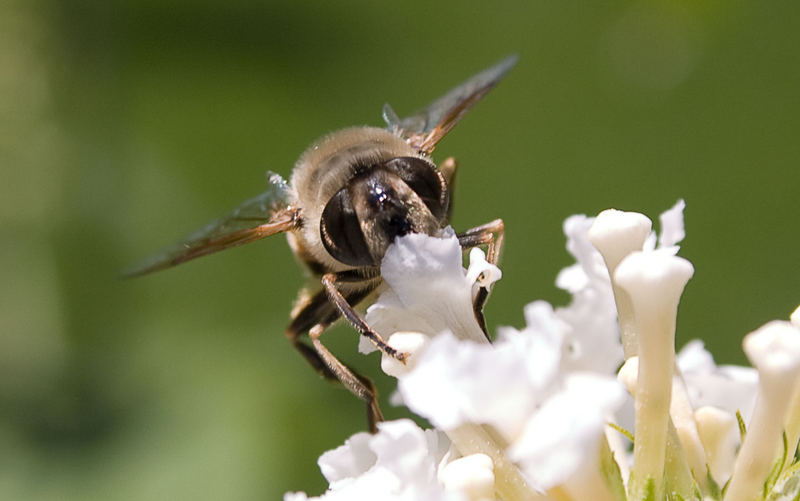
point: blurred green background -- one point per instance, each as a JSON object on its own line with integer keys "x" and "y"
{"x": 126, "y": 124}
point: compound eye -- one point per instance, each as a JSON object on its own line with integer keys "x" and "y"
{"x": 341, "y": 232}
{"x": 426, "y": 181}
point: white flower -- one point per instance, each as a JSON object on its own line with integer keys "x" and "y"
{"x": 428, "y": 289}
{"x": 774, "y": 350}
{"x": 720, "y": 437}
{"x": 404, "y": 342}
{"x": 400, "y": 462}
{"x": 564, "y": 434}
{"x": 522, "y": 382}
{"x": 472, "y": 476}
{"x": 654, "y": 281}
{"x": 615, "y": 234}
{"x": 593, "y": 339}
{"x": 727, "y": 387}
{"x": 525, "y": 417}
{"x": 672, "y": 231}
{"x": 456, "y": 382}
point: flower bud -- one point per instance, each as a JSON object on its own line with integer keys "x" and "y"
{"x": 615, "y": 234}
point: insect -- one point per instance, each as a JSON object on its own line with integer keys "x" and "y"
{"x": 350, "y": 195}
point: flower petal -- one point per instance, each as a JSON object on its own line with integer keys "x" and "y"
{"x": 672, "y": 231}
{"x": 457, "y": 382}
{"x": 349, "y": 460}
{"x": 566, "y": 430}
{"x": 429, "y": 290}
{"x": 400, "y": 462}
{"x": 727, "y": 387}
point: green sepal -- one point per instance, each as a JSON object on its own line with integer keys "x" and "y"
{"x": 742, "y": 426}
{"x": 622, "y": 430}
{"x": 611, "y": 474}
{"x": 714, "y": 490}
{"x": 775, "y": 472}
{"x": 788, "y": 486}
{"x": 650, "y": 491}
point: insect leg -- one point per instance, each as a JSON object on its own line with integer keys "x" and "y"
{"x": 359, "y": 385}
{"x": 316, "y": 311}
{"x": 330, "y": 282}
{"x": 490, "y": 234}
{"x": 316, "y": 315}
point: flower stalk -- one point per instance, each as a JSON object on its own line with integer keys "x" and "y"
{"x": 677, "y": 474}
{"x": 654, "y": 282}
{"x": 682, "y": 417}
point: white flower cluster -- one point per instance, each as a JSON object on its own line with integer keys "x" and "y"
{"x": 541, "y": 413}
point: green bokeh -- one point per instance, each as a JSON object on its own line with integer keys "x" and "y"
{"x": 126, "y": 124}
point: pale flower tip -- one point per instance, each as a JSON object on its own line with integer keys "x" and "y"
{"x": 471, "y": 476}
{"x": 652, "y": 277}
{"x": 628, "y": 375}
{"x": 795, "y": 318}
{"x": 616, "y": 234}
{"x": 405, "y": 342}
{"x": 775, "y": 349}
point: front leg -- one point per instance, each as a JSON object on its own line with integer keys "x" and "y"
{"x": 331, "y": 282}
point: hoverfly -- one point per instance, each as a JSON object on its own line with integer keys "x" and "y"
{"x": 350, "y": 195}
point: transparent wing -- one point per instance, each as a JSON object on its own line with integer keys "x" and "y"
{"x": 428, "y": 126}
{"x": 257, "y": 218}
